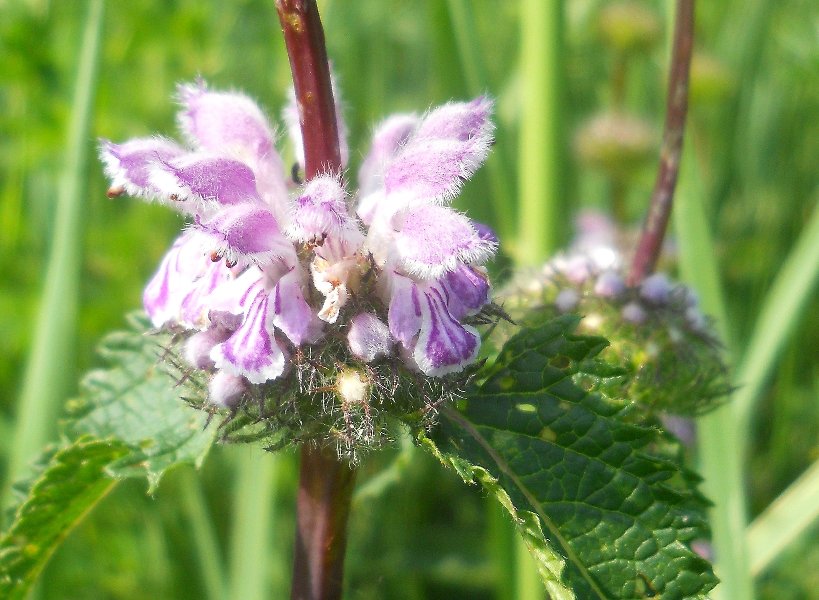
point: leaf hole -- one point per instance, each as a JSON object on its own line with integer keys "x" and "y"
{"x": 560, "y": 361}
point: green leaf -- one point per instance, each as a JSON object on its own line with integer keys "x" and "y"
{"x": 73, "y": 481}
{"x": 138, "y": 400}
{"x": 541, "y": 434}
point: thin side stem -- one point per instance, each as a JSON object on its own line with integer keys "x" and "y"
{"x": 325, "y": 491}
{"x": 325, "y": 481}
{"x": 651, "y": 239}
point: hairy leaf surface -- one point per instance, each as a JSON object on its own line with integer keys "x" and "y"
{"x": 612, "y": 505}
{"x": 136, "y": 400}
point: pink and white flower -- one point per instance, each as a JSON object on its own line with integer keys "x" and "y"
{"x": 265, "y": 267}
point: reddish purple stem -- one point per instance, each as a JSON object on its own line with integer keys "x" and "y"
{"x": 656, "y": 223}
{"x": 325, "y": 481}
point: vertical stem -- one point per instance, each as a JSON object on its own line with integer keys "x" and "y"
{"x": 325, "y": 490}
{"x": 542, "y": 159}
{"x": 325, "y": 481}
{"x": 651, "y": 239}
{"x": 304, "y": 38}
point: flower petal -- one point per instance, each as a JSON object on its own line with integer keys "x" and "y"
{"x": 369, "y": 337}
{"x": 252, "y": 351}
{"x": 444, "y": 345}
{"x": 431, "y": 240}
{"x": 460, "y": 121}
{"x": 320, "y": 211}
{"x": 388, "y": 138}
{"x": 246, "y": 230}
{"x": 198, "y": 178}
{"x": 226, "y": 390}
{"x": 468, "y": 291}
{"x": 181, "y": 267}
{"x": 447, "y": 148}
{"x": 290, "y": 311}
{"x": 128, "y": 165}
{"x": 404, "y": 313}
{"x": 225, "y": 123}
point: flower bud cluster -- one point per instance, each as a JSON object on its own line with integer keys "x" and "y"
{"x": 305, "y": 302}
{"x": 656, "y": 329}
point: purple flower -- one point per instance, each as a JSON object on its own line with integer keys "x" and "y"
{"x": 265, "y": 267}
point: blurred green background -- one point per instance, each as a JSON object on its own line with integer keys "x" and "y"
{"x": 416, "y": 532}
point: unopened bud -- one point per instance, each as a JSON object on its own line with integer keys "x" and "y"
{"x": 226, "y": 389}
{"x": 369, "y": 337}
{"x": 353, "y": 386}
{"x": 630, "y": 26}
{"x": 615, "y": 143}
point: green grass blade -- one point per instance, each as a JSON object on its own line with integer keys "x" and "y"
{"x": 541, "y": 167}
{"x": 784, "y": 520}
{"x": 719, "y": 432}
{"x": 780, "y": 312}
{"x": 47, "y": 378}
{"x": 542, "y": 159}
{"x": 251, "y": 556}
{"x": 204, "y": 536}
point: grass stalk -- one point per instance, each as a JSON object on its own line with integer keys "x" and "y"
{"x": 785, "y": 519}
{"x": 206, "y": 544}
{"x": 250, "y": 547}
{"x": 542, "y": 153}
{"x": 48, "y": 373}
{"x": 781, "y": 310}
{"x": 719, "y": 432}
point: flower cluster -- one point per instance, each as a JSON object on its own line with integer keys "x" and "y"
{"x": 656, "y": 328}
{"x": 268, "y": 267}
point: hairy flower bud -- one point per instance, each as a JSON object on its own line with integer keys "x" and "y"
{"x": 656, "y": 328}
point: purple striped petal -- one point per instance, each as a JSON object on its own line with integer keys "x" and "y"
{"x": 290, "y": 311}
{"x": 252, "y": 351}
{"x": 180, "y": 268}
{"x": 246, "y": 230}
{"x": 444, "y": 345}
{"x": 468, "y": 291}
{"x": 369, "y": 337}
{"x": 432, "y": 240}
{"x": 404, "y": 313}
{"x": 196, "y": 304}
{"x": 205, "y": 178}
{"x": 128, "y": 165}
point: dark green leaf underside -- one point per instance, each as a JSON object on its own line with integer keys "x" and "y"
{"x": 608, "y": 501}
